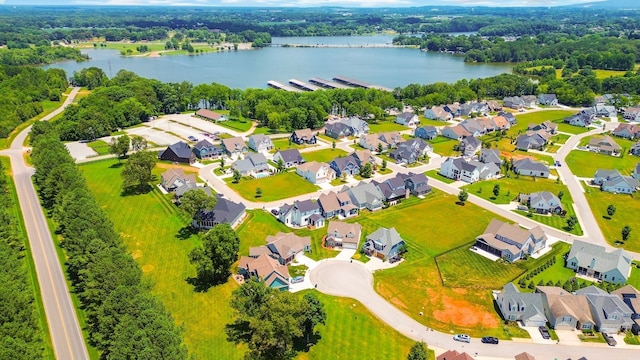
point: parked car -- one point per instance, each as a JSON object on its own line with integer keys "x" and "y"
{"x": 489, "y": 340}
{"x": 297, "y": 279}
{"x": 462, "y": 338}
{"x": 275, "y": 212}
{"x": 192, "y": 138}
{"x": 609, "y": 339}
{"x": 544, "y": 332}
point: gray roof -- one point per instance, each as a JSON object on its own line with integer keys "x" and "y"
{"x": 406, "y": 116}
{"x": 410, "y": 150}
{"x": 529, "y": 140}
{"x": 490, "y": 156}
{"x": 306, "y": 205}
{"x": 225, "y": 211}
{"x": 597, "y": 258}
{"x": 512, "y": 301}
{"x": 471, "y": 141}
{"x": 338, "y": 127}
{"x": 257, "y": 162}
{"x": 393, "y": 187}
{"x": 355, "y": 122}
{"x": 181, "y": 190}
{"x": 528, "y": 164}
{"x": 342, "y": 162}
{"x": 366, "y": 193}
{"x": 260, "y": 138}
{"x": 290, "y": 155}
{"x": 181, "y": 149}
{"x": 605, "y": 305}
{"x": 203, "y": 144}
{"x": 544, "y": 196}
{"x": 387, "y": 238}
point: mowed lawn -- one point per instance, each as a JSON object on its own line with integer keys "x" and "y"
{"x": 585, "y": 163}
{"x": 284, "y": 144}
{"x": 444, "y": 146}
{"x": 237, "y": 125}
{"x": 626, "y": 214}
{"x": 385, "y": 125}
{"x": 276, "y": 187}
{"x": 537, "y": 117}
{"x": 325, "y": 155}
{"x": 99, "y": 146}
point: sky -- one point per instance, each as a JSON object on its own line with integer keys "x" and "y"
{"x": 301, "y": 3}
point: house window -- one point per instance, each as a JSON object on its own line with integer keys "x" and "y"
{"x": 566, "y": 319}
{"x": 586, "y": 326}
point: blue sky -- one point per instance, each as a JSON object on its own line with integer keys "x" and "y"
{"x": 351, "y": 3}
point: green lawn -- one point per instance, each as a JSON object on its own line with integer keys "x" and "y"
{"x": 634, "y": 279}
{"x": 554, "y": 273}
{"x": 237, "y": 125}
{"x": 428, "y": 122}
{"x": 284, "y": 144}
{"x": 99, "y": 146}
{"x": 585, "y": 163}
{"x": 384, "y": 126}
{"x": 276, "y": 187}
{"x": 325, "y": 155}
{"x": 263, "y": 130}
{"x": 444, "y": 146}
{"x": 538, "y": 117}
{"x": 626, "y": 214}
{"x": 434, "y": 174}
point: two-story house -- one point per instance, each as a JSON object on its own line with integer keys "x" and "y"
{"x": 511, "y": 242}
{"x": 384, "y": 243}
{"x": 260, "y": 143}
{"x": 316, "y": 172}
{"x": 299, "y": 213}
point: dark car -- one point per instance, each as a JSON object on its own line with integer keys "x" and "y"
{"x": 489, "y": 340}
{"x": 610, "y": 340}
{"x": 544, "y": 332}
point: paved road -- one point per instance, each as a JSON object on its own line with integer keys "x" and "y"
{"x": 64, "y": 328}
{"x": 353, "y": 280}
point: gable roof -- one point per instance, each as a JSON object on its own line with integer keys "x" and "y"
{"x": 454, "y": 355}
{"x": 509, "y": 237}
{"x": 233, "y": 144}
{"x": 387, "y": 238}
{"x": 490, "y": 156}
{"x": 329, "y": 202}
{"x": 260, "y": 138}
{"x": 343, "y": 229}
{"x": 597, "y": 258}
{"x": 173, "y": 174}
{"x": 225, "y": 211}
{"x": 203, "y": 144}
{"x": 181, "y": 149}
{"x": 525, "y": 356}
{"x": 562, "y": 303}
{"x": 287, "y": 244}
{"x": 290, "y": 155}
{"x": 605, "y": 142}
{"x": 181, "y": 190}
{"x": 366, "y": 193}
{"x": 304, "y": 133}
{"x": 528, "y": 164}
{"x": 206, "y": 113}
{"x": 313, "y": 166}
{"x": 266, "y": 267}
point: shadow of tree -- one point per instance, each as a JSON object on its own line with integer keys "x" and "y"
{"x": 116, "y": 165}
{"x": 186, "y": 232}
{"x": 203, "y": 285}
{"x": 303, "y": 344}
{"x": 136, "y": 190}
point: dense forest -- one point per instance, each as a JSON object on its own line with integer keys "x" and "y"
{"x": 124, "y": 320}
{"x": 20, "y": 333}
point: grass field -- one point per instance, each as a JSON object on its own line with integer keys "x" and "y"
{"x": 481, "y": 273}
{"x": 626, "y": 214}
{"x": 99, "y": 146}
{"x": 444, "y": 146}
{"x": 130, "y": 48}
{"x": 324, "y": 155}
{"x": 281, "y": 186}
{"x": 554, "y": 273}
{"x": 585, "y": 163}
{"x": 384, "y": 126}
{"x": 237, "y": 125}
{"x": 434, "y": 174}
{"x": 428, "y": 122}
{"x": 284, "y": 144}
{"x": 538, "y": 117}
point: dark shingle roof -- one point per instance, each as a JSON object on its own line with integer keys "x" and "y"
{"x": 181, "y": 149}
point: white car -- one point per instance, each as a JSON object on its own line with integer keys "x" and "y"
{"x": 462, "y": 338}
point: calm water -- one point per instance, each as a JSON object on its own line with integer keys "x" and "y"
{"x": 390, "y": 67}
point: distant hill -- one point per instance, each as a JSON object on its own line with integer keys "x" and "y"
{"x": 612, "y": 4}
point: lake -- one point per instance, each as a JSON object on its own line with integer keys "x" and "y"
{"x": 390, "y": 67}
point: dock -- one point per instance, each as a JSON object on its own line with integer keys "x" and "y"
{"x": 316, "y": 83}
{"x": 304, "y": 85}
{"x": 280, "y": 86}
{"x": 327, "y": 84}
{"x": 357, "y": 83}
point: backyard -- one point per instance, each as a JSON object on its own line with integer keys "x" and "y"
{"x": 384, "y": 126}
{"x": 276, "y": 187}
{"x": 444, "y": 146}
{"x": 585, "y": 163}
{"x": 324, "y": 156}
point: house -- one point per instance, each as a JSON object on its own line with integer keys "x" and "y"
{"x": 594, "y": 261}
{"x": 183, "y": 189}
{"x": 366, "y": 196}
{"x": 627, "y": 131}
{"x": 524, "y": 356}
{"x": 343, "y": 235}
{"x": 631, "y": 297}
{"x": 179, "y": 152}
{"x": 172, "y": 179}
{"x": 501, "y": 123}
{"x": 473, "y": 107}
{"x": 384, "y": 244}
{"x": 204, "y": 150}
{"x": 604, "y": 145}
{"x": 533, "y": 140}
{"x": 408, "y": 119}
{"x": 363, "y": 156}
{"x": 548, "y": 126}
{"x": 304, "y": 136}
{"x": 410, "y": 151}
{"x": 455, "y": 132}
{"x": 299, "y": 213}
{"x": 494, "y": 105}
{"x": 316, "y": 172}
{"x": 254, "y": 165}
{"x": 426, "y": 132}
{"x": 210, "y": 115}
{"x": 636, "y": 172}
{"x": 267, "y": 269}
{"x": 509, "y": 116}
{"x": 487, "y": 124}
{"x": 514, "y": 102}
{"x": 614, "y": 182}
{"x": 468, "y": 171}
{"x": 530, "y": 101}
{"x": 454, "y": 355}
{"x": 632, "y": 114}
{"x": 234, "y": 146}
{"x": 610, "y": 313}
{"x": 470, "y": 146}
{"x": 548, "y": 99}
{"x": 225, "y": 211}
{"x": 635, "y": 149}
{"x": 260, "y": 143}
{"x": 517, "y": 306}
{"x": 584, "y": 118}
{"x": 566, "y": 311}
{"x": 386, "y": 140}
{"x": 347, "y": 165}
{"x": 337, "y": 204}
{"x": 453, "y": 109}
{"x": 530, "y": 167}
{"x": 490, "y": 156}
{"x": 337, "y": 130}
{"x": 283, "y": 247}
{"x": 438, "y": 113}
{"x": 473, "y": 127}
{"x": 417, "y": 184}
{"x": 511, "y": 242}
{"x": 543, "y": 202}
{"x": 607, "y": 111}
{"x": 393, "y": 189}
{"x": 357, "y": 125}
{"x": 289, "y": 157}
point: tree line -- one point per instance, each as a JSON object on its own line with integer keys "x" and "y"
{"x": 124, "y": 320}
{"x": 20, "y": 333}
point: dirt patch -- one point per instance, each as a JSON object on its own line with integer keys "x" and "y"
{"x": 137, "y": 254}
{"x": 147, "y": 268}
{"x": 464, "y": 314}
{"x": 187, "y": 169}
{"x": 515, "y": 156}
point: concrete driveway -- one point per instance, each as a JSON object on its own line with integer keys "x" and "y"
{"x": 569, "y": 337}
{"x": 536, "y": 336}
{"x": 80, "y": 150}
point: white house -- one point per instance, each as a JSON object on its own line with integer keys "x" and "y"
{"x": 408, "y": 119}
{"x": 260, "y": 143}
{"x": 316, "y": 172}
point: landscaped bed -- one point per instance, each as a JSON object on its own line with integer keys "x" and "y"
{"x": 276, "y": 187}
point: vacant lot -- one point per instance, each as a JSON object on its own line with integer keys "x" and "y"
{"x": 585, "y": 163}
{"x": 99, "y": 146}
{"x": 385, "y": 125}
{"x": 276, "y": 187}
{"x": 444, "y": 146}
{"x": 325, "y": 155}
{"x": 284, "y": 144}
{"x": 537, "y": 117}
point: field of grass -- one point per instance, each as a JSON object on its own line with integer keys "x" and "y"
{"x": 384, "y": 126}
{"x": 99, "y": 146}
{"x": 284, "y": 144}
{"x": 585, "y": 163}
{"x": 276, "y": 187}
{"x": 481, "y": 273}
{"x": 444, "y": 146}
{"x": 434, "y": 174}
{"x": 626, "y": 214}
{"x": 324, "y": 155}
{"x": 538, "y": 117}
{"x": 130, "y": 48}
{"x": 237, "y": 125}
{"x": 428, "y": 122}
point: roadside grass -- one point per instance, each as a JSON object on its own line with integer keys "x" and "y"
{"x": 444, "y": 146}
{"x": 556, "y": 221}
{"x": 323, "y": 156}
{"x": 560, "y": 138}
{"x": 238, "y": 125}
{"x": 434, "y": 174}
{"x": 47, "y": 108}
{"x": 275, "y": 187}
{"x": 263, "y": 130}
{"x": 585, "y": 163}
{"x": 48, "y": 352}
{"x": 631, "y": 339}
{"x": 151, "y": 227}
{"x": 570, "y": 129}
{"x": 634, "y": 279}
{"x": 595, "y": 337}
{"x": 99, "y": 146}
{"x": 626, "y": 214}
{"x": 82, "y": 93}
{"x": 384, "y": 126}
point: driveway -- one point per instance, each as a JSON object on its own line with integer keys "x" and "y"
{"x": 536, "y": 337}
{"x": 569, "y": 337}
{"x": 80, "y": 150}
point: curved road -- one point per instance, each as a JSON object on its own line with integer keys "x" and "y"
{"x": 68, "y": 342}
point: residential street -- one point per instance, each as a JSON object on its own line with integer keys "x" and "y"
{"x": 68, "y": 342}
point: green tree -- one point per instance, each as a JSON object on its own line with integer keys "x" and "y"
{"x": 236, "y": 176}
{"x": 258, "y": 192}
{"x": 384, "y": 165}
{"x": 314, "y": 316}
{"x": 418, "y": 351}
{"x": 626, "y": 232}
{"x": 380, "y": 148}
{"x": 120, "y": 146}
{"x": 280, "y": 165}
{"x": 496, "y": 190}
{"x": 333, "y": 145}
{"x": 572, "y": 221}
{"x": 560, "y": 194}
{"x": 193, "y": 202}
{"x": 463, "y": 195}
{"x": 611, "y": 210}
{"x": 213, "y": 259}
{"x": 138, "y": 143}
{"x": 365, "y": 171}
{"x": 137, "y": 170}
